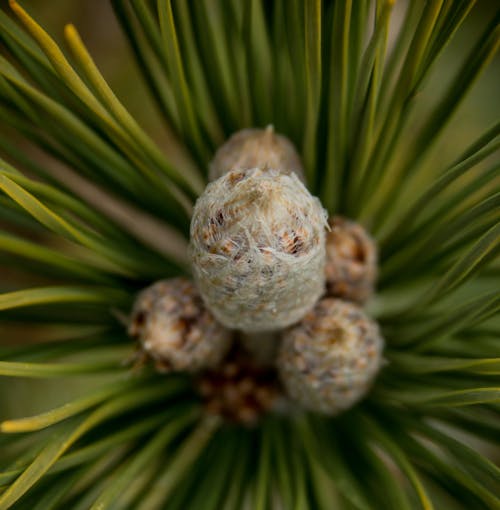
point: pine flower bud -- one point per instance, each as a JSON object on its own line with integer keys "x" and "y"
{"x": 258, "y": 249}
{"x": 256, "y": 148}
{"x": 351, "y": 261}
{"x": 175, "y": 329}
{"x": 240, "y": 390}
{"x": 328, "y": 361}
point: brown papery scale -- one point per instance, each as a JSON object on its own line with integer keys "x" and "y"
{"x": 251, "y": 148}
{"x": 175, "y": 329}
{"x": 351, "y": 261}
{"x": 239, "y": 390}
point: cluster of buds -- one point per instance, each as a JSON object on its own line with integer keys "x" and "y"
{"x": 268, "y": 267}
{"x": 239, "y": 389}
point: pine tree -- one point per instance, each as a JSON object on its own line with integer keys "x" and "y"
{"x": 80, "y": 239}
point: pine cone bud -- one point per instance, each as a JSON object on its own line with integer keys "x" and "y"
{"x": 175, "y": 329}
{"x": 256, "y": 148}
{"x": 240, "y": 390}
{"x": 258, "y": 249}
{"x": 351, "y": 261}
{"x": 328, "y": 361}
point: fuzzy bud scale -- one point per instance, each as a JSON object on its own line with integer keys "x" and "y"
{"x": 258, "y": 249}
{"x": 328, "y": 361}
{"x": 351, "y": 261}
{"x": 175, "y": 329}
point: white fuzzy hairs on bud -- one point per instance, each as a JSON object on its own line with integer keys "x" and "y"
{"x": 258, "y": 249}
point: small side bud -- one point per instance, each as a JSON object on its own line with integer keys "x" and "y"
{"x": 239, "y": 390}
{"x": 329, "y": 360}
{"x": 251, "y": 148}
{"x": 258, "y": 249}
{"x": 351, "y": 261}
{"x": 175, "y": 329}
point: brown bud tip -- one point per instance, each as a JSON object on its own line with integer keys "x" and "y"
{"x": 328, "y": 361}
{"x": 351, "y": 261}
{"x": 250, "y": 148}
{"x": 175, "y": 329}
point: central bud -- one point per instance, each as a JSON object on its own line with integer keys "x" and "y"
{"x": 258, "y": 249}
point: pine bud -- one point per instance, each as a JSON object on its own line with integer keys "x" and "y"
{"x": 328, "y": 361}
{"x": 351, "y": 261}
{"x": 256, "y": 148}
{"x": 258, "y": 249}
{"x": 240, "y": 390}
{"x": 175, "y": 329}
